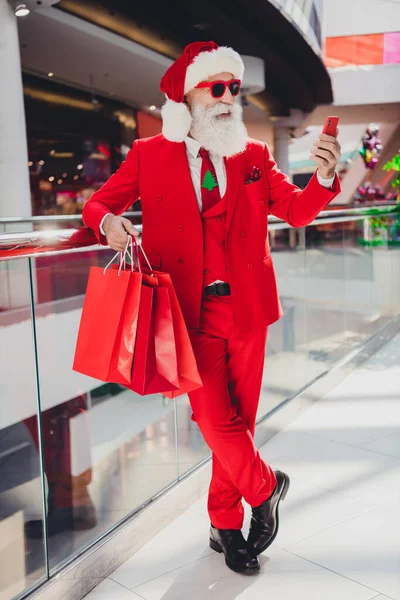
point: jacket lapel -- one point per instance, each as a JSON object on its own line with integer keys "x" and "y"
{"x": 234, "y": 169}
{"x": 177, "y": 177}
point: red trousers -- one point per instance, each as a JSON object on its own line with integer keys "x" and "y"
{"x": 231, "y": 367}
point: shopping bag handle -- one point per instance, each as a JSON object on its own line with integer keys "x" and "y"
{"x": 122, "y": 257}
{"x": 131, "y": 242}
{"x": 137, "y": 247}
{"x": 145, "y": 256}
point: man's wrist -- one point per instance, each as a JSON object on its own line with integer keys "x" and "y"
{"x": 103, "y": 224}
{"x": 326, "y": 174}
{"x": 326, "y": 181}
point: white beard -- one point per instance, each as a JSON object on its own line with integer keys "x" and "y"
{"x": 224, "y": 136}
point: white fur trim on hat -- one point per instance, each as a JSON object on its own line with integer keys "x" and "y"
{"x": 207, "y": 64}
{"x": 177, "y": 121}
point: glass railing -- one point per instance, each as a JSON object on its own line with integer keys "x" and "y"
{"x": 78, "y": 456}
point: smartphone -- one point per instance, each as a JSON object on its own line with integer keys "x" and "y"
{"x": 330, "y": 126}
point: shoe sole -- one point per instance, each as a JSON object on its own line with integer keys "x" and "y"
{"x": 281, "y": 497}
{"x": 249, "y": 571}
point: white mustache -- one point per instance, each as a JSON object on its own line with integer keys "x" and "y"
{"x": 220, "y": 109}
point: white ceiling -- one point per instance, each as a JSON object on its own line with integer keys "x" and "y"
{"x": 73, "y": 49}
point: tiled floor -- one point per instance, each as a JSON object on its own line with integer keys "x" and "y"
{"x": 340, "y": 523}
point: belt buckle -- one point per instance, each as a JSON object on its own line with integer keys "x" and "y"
{"x": 216, "y": 289}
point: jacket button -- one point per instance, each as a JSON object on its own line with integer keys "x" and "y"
{"x": 181, "y": 227}
{"x": 261, "y": 202}
{"x": 219, "y": 217}
{"x": 223, "y": 242}
{"x": 243, "y": 234}
{"x": 180, "y": 261}
{"x": 249, "y": 265}
{"x": 159, "y": 198}
{"x": 206, "y": 271}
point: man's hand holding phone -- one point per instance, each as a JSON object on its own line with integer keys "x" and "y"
{"x": 326, "y": 150}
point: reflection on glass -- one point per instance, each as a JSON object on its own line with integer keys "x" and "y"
{"x": 325, "y": 294}
{"x": 192, "y": 448}
{"x": 285, "y": 368}
{"x": 106, "y": 449}
{"x": 370, "y": 279}
{"x": 69, "y": 505}
{"x": 336, "y": 290}
{"x": 21, "y": 497}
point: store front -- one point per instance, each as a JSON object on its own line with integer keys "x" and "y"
{"x": 75, "y": 142}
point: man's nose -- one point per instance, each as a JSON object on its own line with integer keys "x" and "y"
{"x": 227, "y": 98}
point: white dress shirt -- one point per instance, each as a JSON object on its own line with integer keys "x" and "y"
{"x": 195, "y": 161}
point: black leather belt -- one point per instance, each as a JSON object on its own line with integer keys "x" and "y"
{"x": 218, "y": 289}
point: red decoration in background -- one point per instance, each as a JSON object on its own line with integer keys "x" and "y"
{"x": 371, "y": 147}
{"x": 104, "y": 149}
{"x": 370, "y": 193}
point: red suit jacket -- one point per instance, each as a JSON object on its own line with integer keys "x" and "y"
{"x": 157, "y": 171}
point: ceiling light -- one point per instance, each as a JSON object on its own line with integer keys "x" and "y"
{"x": 152, "y": 107}
{"x": 79, "y": 167}
{"x": 62, "y": 154}
{"x": 51, "y": 178}
{"x": 20, "y": 9}
{"x": 50, "y": 74}
{"x": 201, "y": 26}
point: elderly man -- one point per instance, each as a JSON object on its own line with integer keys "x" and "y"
{"x": 206, "y": 191}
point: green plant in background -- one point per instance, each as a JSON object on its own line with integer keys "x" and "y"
{"x": 385, "y": 228}
{"x": 394, "y": 165}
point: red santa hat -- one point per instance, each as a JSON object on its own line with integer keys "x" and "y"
{"x": 198, "y": 62}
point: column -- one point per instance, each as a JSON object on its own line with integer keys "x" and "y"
{"x": 281, "y": 149}
{"x": 15, "y": 197}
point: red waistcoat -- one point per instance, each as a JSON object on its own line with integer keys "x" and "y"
{"x": 157, "y": 171}
{"x": 214, "y": 233}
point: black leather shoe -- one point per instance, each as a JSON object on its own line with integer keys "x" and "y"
{"x": 265, "y": 520}
{"x": 59, "y": 519}
{"x": 237, "y": 554}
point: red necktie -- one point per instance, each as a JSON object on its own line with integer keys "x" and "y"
{"x": 208, "y": 182}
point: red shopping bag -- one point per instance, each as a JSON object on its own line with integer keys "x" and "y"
{"x": 155, "y": 362}
{"x": 107, "y": 330}
{"x": 189, "y": 377}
